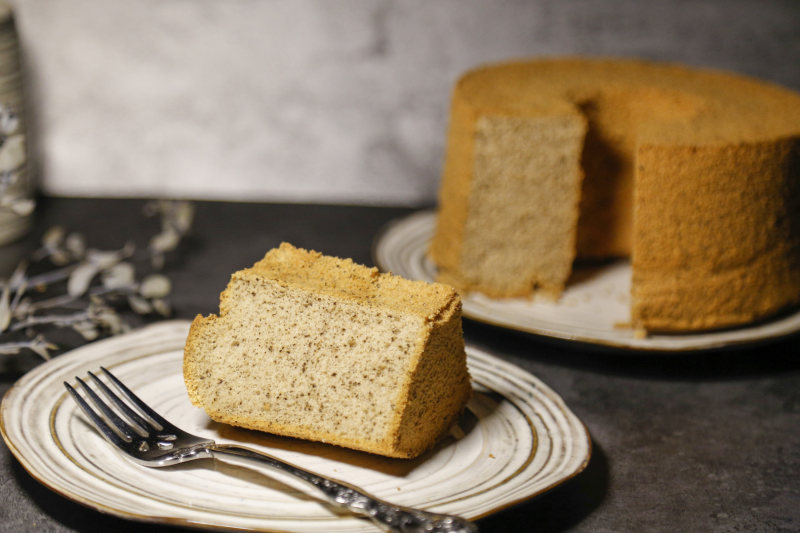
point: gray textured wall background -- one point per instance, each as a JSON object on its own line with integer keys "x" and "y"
{"x": 322, "y": 101}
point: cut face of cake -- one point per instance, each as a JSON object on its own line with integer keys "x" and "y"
{"x": 692, "y": 174}
{"x": 324, "y": 349}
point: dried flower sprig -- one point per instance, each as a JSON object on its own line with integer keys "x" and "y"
{"x": 176, "y": 220}
{"x": 89, "y": 284}
{"x": 37, "y": 345}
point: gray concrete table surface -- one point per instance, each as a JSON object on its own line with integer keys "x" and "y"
{"x": 692, "y": 442}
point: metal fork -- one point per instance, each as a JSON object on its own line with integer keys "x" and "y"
{"x": 150, "y": 440}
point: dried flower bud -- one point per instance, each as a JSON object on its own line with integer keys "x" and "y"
{"x": 41, "y": 347}
{"x": 183, "y": 216}
{"x": 87, "y": 330}
{"x": 161, "y": 307}
{"x": 139, "y": 304}
{"x": 80, "y": 279}
{"x": 155, "y": 286}
{"x": 165, "y": 241}
{"x": 53, "y": 237}
{"x": 119, "y": 276}
{"x": 75, "y": 244}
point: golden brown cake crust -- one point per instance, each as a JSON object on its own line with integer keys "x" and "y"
{"x": 664, "y": 144}
{"x": 715, "y": 251}
{"x": 344, "y": 278}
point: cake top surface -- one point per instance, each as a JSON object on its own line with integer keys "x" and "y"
{"x": 344, "y": 278}
{"x": 688, "y": 104}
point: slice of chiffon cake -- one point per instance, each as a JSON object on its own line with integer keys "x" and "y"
{"x": 321, "y": 348}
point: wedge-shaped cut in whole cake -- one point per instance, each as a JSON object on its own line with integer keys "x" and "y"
{"x": 321, "y": 348}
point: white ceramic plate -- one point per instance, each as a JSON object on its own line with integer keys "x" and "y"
{"x": 593, "y": 309}
{"x": 517, "y": 439}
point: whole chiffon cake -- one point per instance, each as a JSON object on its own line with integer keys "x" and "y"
{"x": 693, "y": 174}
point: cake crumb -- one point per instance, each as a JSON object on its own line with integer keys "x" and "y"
{"x": 456, "y": 432}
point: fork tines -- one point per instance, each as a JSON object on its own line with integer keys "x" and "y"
{"x": 117, "y": 429}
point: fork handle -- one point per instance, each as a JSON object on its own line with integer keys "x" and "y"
{"x": 386, "y": 515}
